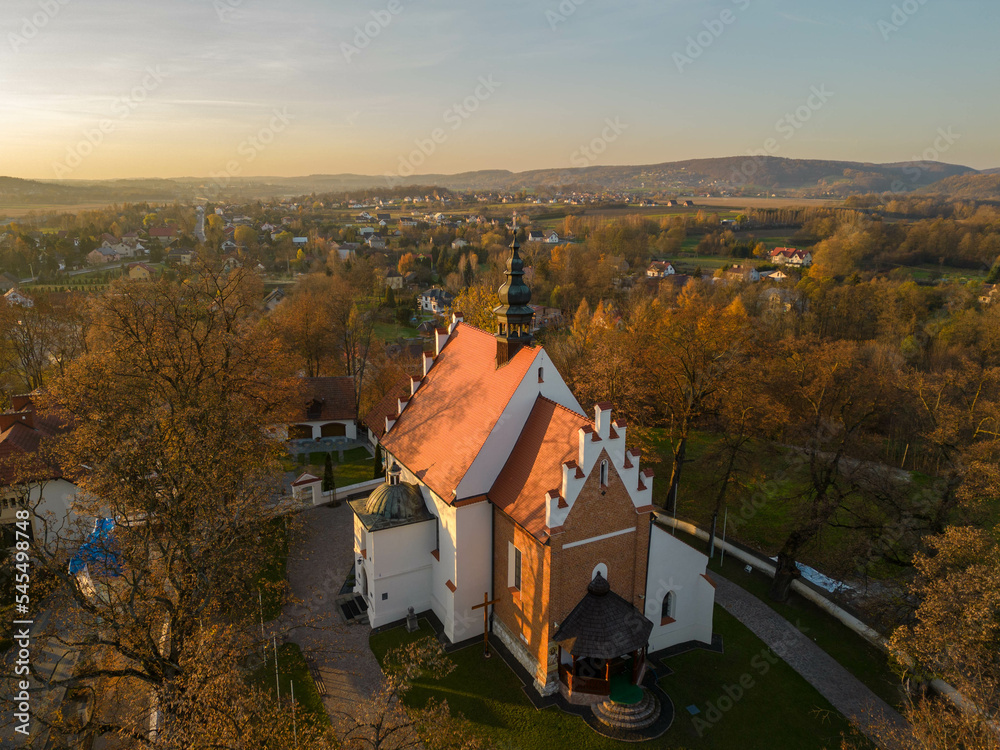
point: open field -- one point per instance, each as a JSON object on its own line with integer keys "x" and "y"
{"x": 932, "y": 272}
{"x": 17, "y": 210}
{"x": 778, "y": 711}
{"x": 387, "y": 331}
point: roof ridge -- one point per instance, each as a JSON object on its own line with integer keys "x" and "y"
{"x": 565, "y": 408}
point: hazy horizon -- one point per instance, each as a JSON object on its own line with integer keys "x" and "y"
{"x": 201, "y": 88}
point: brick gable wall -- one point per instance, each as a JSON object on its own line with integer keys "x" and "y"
{"x": 625, "y": 556}
{"x": 553, "y": 579}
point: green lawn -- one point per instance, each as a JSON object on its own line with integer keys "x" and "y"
{"x": 358, "y": 466}
{"x": 935, "y": 272}
{"x": 859, "y": 657}
{"x": 292, "y": 668}
{"x": 392, "y": 331}
{"x": 778, "y": 710}
{"x": 762, "y": 503}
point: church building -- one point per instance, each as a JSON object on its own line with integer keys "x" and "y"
{"x": 500, "y": 484}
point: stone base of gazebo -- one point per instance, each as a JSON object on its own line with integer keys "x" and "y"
{"x": 629, "y": 716}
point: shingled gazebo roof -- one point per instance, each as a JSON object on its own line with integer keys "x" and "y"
{"x": 603, "y": 625}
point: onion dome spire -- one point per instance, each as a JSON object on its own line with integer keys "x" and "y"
{"x": 514, "y": 314}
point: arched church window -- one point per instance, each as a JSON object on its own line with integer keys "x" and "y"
{"x": 602, "y": 569}
{"x": 668, "y": 609}
{"x": 541, "y": 373}
{"x": 604, "y": 473}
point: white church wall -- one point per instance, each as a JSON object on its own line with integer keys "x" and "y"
{"x": 400, "y": 564}
{"x": 444, "y": 568}
{"x": 474, "y": 568}
{"x": 491, "y": 459}
{"x": 676, "y": 568}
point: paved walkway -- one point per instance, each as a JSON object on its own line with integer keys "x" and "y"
{"x": 847, "y": 694}
{"x": 321, "y": 555}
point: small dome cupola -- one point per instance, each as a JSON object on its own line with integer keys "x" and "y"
{"x": 395, "y": 500}
{"x": 514, "y": 314}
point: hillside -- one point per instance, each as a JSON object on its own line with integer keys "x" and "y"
{"x": 802, "y": 177}
{"x": 983, "y": 186}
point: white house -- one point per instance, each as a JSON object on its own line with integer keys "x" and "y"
{"x": 14, "y": 297}
{"x": 743, "y": 273}
{"x": 791, "y": 256}
{"x": 660, "y": 269}
{"x": 436, "y": 300}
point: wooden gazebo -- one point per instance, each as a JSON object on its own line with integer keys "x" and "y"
{"x": 602, "y": 646}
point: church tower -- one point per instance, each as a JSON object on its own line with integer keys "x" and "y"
{"x": 514, "y": 313}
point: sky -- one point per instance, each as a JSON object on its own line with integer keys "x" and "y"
{"x": 96, "y": 89}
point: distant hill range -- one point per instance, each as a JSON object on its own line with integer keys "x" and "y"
{"x": 983, "y": 186}
{"x": 738, "y": 175}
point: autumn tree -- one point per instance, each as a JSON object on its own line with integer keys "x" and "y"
{"x": 955, "y": 636}
{"x": 328, "y": 323}
{"x": 40, "y": 339}
{"x": 169, "y": 407}
{"x": 477, "y": 303}
{"x": 833, "y": 394}
{"x": 696, "y": 346}
{"x": 245, "y": 236}
{"x": 407, "y": 262}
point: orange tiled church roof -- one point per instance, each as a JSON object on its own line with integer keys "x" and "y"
{"x": 446, "y": 423}
{"x": 549, "y": 439}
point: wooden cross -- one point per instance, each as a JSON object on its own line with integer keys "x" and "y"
{"x": 485, "y": 606}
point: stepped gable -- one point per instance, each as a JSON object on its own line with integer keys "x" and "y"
{"x": 550, "y": 438}
{"x": 447, "y": 421}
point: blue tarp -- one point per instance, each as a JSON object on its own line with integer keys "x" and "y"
{"x": 99, "y": 553}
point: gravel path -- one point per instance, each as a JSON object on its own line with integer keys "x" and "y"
{"x": 847, "y": 694}
{"x": 320, "y": 557}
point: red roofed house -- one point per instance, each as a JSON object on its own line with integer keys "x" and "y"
{"x": 164, "y": 234}
{"x": 328, "y": 411}
{"x": 500, "y": 485}
{"x": 51, "y": 500}
{"x": 791, "y": 256}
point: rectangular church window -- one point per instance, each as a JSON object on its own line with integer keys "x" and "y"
{"x": 513, "y": 568}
